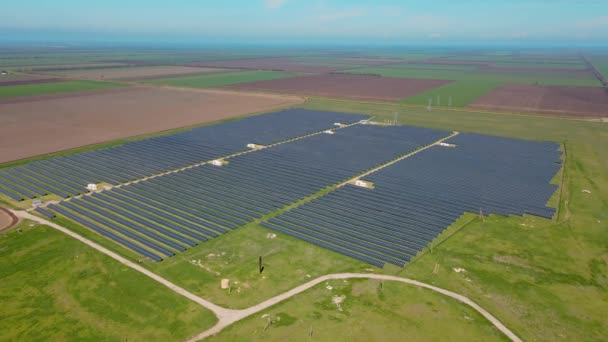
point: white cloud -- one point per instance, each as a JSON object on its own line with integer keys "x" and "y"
{"x": 346, "y": 14}
{"x": 274, "y": 4}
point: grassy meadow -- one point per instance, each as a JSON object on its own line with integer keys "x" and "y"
{"x": 364, "y": 310}
{"x": 455, "y": 94}
{"x": 54, "y": 288}
{"x": 464, "y": 75}
{"x": 53, "y": 88}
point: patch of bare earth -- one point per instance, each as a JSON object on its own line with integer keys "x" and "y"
{"x": 30, "y": 128}
{"x": 556, "y": 100}
{"x": 352, "y": 86}
{"x": 135, "y": 73}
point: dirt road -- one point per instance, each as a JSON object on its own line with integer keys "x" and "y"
{"x": 227, "y": 317}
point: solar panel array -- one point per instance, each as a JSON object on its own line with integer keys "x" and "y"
{"x": 162, "y": 216}
{"x": 417, "y": 198}
{"x": 69, "y": 175}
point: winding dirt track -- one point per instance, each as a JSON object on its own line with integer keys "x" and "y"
{"x": 7, "y": 219}
{"x": 227, "y": 317}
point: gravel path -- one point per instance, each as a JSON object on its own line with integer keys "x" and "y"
{"x": 227, "y": 317}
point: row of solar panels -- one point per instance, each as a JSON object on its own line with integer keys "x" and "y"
{"x": 417, "y": 198}
{"x": 69, "y": 175}
{"x": 168, "y": 214}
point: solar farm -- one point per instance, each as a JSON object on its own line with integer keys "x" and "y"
{"x": 174, "y": 192}
{"x": 302, "y": 195}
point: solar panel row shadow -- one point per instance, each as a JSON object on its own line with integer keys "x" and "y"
{"x": 176, "y": 211}
{"x": 69, "y": 175}
{"x": 416, "y": 199}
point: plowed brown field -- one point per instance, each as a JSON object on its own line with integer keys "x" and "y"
{"x": 350, "y": 86}
{"x": 48, "y": 125}
{"x": 557, "y": 100}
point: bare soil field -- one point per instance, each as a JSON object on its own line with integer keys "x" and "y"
{"x": 139, "y": 73}
{"x": 557, "y": 100}
{"x": 537, "y": 70}
{"x": 276, "y": 64}
{"x": 27, "y": 80}
{"x": 31, "y": 128}
{"x": 352, "y": 86}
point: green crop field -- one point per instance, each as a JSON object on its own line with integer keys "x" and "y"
{"x": 53, "y": 88}
{"x": 221, "y": 79}
{"x": 370, "y": 310}
{"x": 548, "y": 64}
{"x": 545, "y": 79}
{"x": 54, "y": 288}
{"x": 429, "y": 66}
{"x": 455, "y": 94}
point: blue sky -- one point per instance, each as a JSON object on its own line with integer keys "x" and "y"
{"x": 315, "y": 20}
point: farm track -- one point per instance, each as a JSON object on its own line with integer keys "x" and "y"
{"x": 227, "y": 317}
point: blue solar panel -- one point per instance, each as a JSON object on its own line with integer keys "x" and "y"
{"x": 417, "y": 198}
{"x": 204, "y": 202}
{"x": 69, "y": 175}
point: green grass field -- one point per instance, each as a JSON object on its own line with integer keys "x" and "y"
{"x": 429, "y": 66}
{"x": 222, "y": 79}
{"x": 371, "y": 311}
{"x": 288, "y": 262}
{"x": 54, "y": 288}
{"x": 460, "y": 93}
{"x": 544, "y": 79}
{"x": 557, "y": 65}
{"x": 53, "y": 88}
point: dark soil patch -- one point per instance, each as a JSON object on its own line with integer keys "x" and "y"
{"x": 352, "y": 86}
{"x": 558, "y": 100}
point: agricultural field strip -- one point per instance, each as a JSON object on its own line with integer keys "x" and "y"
{"x": 416, "y": 199}
{"x": 227, "y": 317}
{"x": 215, "y": 200}
{"x": 221, "y": 79}
{"x": 345, "y": 85}
{"x": 561, "y": 100}
{"x": 68, "y": 175}
{"x": 57, "y": 86}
